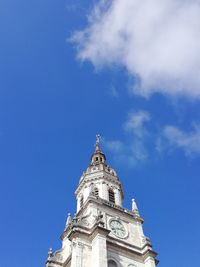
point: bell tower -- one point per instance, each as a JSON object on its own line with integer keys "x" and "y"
{"x": 102, "y": 232}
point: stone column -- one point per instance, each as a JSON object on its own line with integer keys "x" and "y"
{"x": 104, "y": 192}
{"x": 86, "y": 193}
{"x": 99, "y": 251}
{"x": 78, "y": 204}
{"x": 77, "y": 254}
{"x": 118, "y": 200}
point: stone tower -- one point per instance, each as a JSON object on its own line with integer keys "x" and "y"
{"x": 102, "y": 233}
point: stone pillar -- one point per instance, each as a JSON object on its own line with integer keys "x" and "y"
{"x": 99, "y": 251}
{"x": 104, "y": 191}
{"x": 86, "y": 193}
{"x": 77, "y": 254}
{"x": 78, "y": 204}
{"x": 118, "y": 200}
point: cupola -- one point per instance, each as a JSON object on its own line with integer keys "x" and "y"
{"x": 98, "y": 156}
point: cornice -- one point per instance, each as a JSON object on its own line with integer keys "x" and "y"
{"x": 98, "y": 229}
{"x": 73, "y": 229}
{"x": 101, "y": 201}
{"x": 144, "y": 251}
{"x": 53, "y": 262}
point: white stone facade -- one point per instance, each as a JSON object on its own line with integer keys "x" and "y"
{"x": 103, "y": 233}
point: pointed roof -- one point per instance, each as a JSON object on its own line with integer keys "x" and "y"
{"x": 98, "y": 169}
{"x": 98, "y": 156}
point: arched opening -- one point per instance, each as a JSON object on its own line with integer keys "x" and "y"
{"x": 112, "y": 263}
{"x": 81, "y": 201}
{"x": 96, "y": 192}
{"x": 111, "y": 196}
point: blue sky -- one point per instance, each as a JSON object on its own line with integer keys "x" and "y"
{"x": 56, "y": 95}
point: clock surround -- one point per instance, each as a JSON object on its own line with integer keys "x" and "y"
{"x": 117, "y": 228}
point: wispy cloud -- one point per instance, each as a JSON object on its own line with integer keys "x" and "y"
{"x": 136, "y": 121}
{"x": 133, "y": 151}
{"x": 143, "y": 141}
{"x": 189, "y": 142}
{"x": 158, "y": 43}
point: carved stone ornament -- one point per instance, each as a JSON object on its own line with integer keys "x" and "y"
{"x": 99, "y": 218}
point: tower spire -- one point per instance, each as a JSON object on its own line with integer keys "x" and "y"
{"x": 98, "y": 156}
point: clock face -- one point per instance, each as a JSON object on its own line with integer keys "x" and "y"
{"x": 118, "y": 228}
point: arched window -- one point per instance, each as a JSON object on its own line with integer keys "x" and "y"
{"x": 81, "y": 201}
{"x": 96, "y": 192}
{"x": 111, "y": 196}
{"x": 112, "y": 263}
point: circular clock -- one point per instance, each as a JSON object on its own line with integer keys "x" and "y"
{"x": 117, "y": 228}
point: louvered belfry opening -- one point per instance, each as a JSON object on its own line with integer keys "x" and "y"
{"x": 111, "y": 196}
{"x": 96, "y": 192}
{"x": 81, "y": 201}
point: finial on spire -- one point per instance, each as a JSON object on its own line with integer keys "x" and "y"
{"x": 69, "y": 220}
{"x": 97, "y": 147}
{"x": 50, "y": 253}
{"x": 134, "y": 207}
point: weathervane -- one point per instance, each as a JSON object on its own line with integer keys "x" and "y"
{"x": 98, "y": 139}
{"x": 97, "y": 142}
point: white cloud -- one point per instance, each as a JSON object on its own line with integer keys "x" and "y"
{"x": 157, "y": 41}
{"x": 188, "y": 142}
{"x": 135, "y": 122}
{"x": 115, "y": 146}
{"x": 133, "y": 150}
{"x": 142, "y": 140}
